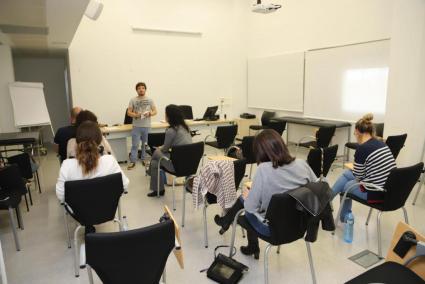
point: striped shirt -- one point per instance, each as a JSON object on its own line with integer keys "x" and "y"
{"x": 373, "y": 162}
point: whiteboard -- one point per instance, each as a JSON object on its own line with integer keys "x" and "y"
{"x": 29, "y": 104}
{"x": 344, "y": 83}
{"x": 277, "y": 82}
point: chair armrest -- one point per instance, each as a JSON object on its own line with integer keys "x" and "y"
{"x": 303, "y": 138}
{"x": 374, "y": 186}
{"x": 206, "y": 137}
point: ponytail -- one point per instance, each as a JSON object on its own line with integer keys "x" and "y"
{"x": 88, "y": 139}
{"x": 87, "y": 156}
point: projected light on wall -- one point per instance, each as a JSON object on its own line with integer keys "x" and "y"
{"x": 365, "y": 90}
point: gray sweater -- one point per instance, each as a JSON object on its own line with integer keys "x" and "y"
{"x": 174, "y": 137}
{"x": 269, "y": 181}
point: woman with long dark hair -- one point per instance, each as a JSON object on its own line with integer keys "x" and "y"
{"x": 277, "y": 172}
{"x": 89, "y": 162}
{"x": 176, "y": 134}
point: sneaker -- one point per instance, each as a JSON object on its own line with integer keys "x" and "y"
{"x": 131, "y": 166}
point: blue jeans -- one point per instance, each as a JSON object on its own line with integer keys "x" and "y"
{"x": 137, "y": 134}
{"x": 345, "y": 182}
{"x": 259, "y": 226}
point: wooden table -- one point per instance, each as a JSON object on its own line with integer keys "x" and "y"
{"x": 220, "y": 158}
{"x": 117, "y": 135}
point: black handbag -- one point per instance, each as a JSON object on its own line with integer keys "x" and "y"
{"x": 225, "y": 270}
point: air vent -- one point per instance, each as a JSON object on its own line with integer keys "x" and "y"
{"x": 13, "y": 29}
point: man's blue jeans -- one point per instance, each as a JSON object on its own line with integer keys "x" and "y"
{"x": 345, "y": 182}
{"x": 137, "y": 134}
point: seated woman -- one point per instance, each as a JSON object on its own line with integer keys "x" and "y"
{"x": 373, "y": 162}
{"x": 89, "y": 162}
{"x": 85, "y": 115}
{"x": 277, "y": 172}
{"x": 177, "y": 134}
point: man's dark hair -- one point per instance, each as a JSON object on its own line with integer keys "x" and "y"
{"x": 269, "y": 147}
{"x": 140, "y": 84}
{"x": 85, "y": 115}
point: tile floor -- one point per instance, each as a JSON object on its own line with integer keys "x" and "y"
{"x": 45, "y": 258}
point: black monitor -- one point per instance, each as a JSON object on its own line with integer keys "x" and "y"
{"x": 210, "y": 112}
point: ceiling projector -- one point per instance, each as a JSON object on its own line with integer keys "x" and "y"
{"x": 264, "y": 8}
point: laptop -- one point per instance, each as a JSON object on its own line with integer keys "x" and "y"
{"x": 209, "y": 113}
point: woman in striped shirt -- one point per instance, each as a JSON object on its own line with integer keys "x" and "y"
{"x": 373, "y": 162}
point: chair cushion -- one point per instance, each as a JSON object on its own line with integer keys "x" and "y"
{"x": 212, "y": 144}
{"x": 256, "y": 127}
{"x": 378, "y": 206}
{"x": 352, "y": 145}
{"x": 389, "y": 273}
{"x": 309, "y": 144}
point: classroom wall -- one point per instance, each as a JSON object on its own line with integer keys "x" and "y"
{"x": 50, "y": 70}
{"x": 406, "y": 88}
{"x": 6, "y": 76}
{"x": 107, "y": 58}
{"x": 304, "y": 24}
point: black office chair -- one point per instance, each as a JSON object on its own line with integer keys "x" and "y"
{"x": 185, "y": 160}
{"x": 246, "y": 147}
{"x": 239, "y": 172}
{"x": 127, "y": 119}
{"x": 277, "y": 125}
{"x": 12, "y": 188}
{"x": 287, "y": 224}
{"x": 225, "y": 137}
{"x": 24, "y": 164}
{"x": 395, "y": 143}
{"x": 398, "y": 186}
{"x": 379, "y": 132}
{"x": 322, "y": 139}
{"x": 91, "y": 202}
{"x": 187, "y": 111}
{"x": 154, "y": 141}
{"x": 320, "y": 160}
{"x": 135, "y": 256}
{"x": 265, "y": 120}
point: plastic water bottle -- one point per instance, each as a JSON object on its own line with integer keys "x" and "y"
{"x": 349, "y": 227}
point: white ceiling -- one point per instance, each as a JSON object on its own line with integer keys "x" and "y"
{"x": 40, "y": 25}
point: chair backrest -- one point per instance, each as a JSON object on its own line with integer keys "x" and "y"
{"x": 94, "y": 201}
{"x": 225, "y": 135}
{"x": 24, "y": 164}
{"x": 127, "y": 119}
{"x": 277, "y": 125}
{"x": 240, "y": 167}
{"x": 395, "y": 143}
{"x": 314, "y": 159}
{"x": 186, "y": 158}
{"x": 266, "y": 117}
{"x": 247, "y": 149}
{"x": 135, "y": 256}
{"x": 286, "y": 222}
{"x": 156, "y": 139}
{"x": 324, "y": 136}
{"x": 399, "y": 184}
{"x": 187, "y": 111}
{"x": 379, "y": 129}
{"x": 11, "y": 181}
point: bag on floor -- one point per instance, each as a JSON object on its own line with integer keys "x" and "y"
{"x": 225, "y": 270}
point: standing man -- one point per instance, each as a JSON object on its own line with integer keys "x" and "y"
{"x": 140, "y": 108}
{"x": 66, "y": 133}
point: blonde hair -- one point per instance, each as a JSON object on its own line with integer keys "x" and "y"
{"x": 365, "y": 125}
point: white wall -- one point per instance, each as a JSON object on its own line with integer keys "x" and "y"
{"x": 406, "y": 86}
{"x": 6, "y": 76}
{"x": 107, "y": 58}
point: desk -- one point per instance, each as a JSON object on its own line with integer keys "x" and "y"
{"x": 117, "y": 135}
{"x": 220, "y": 158}
{"x": 316, "y": 123}
{"x": 19, "y": 138}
